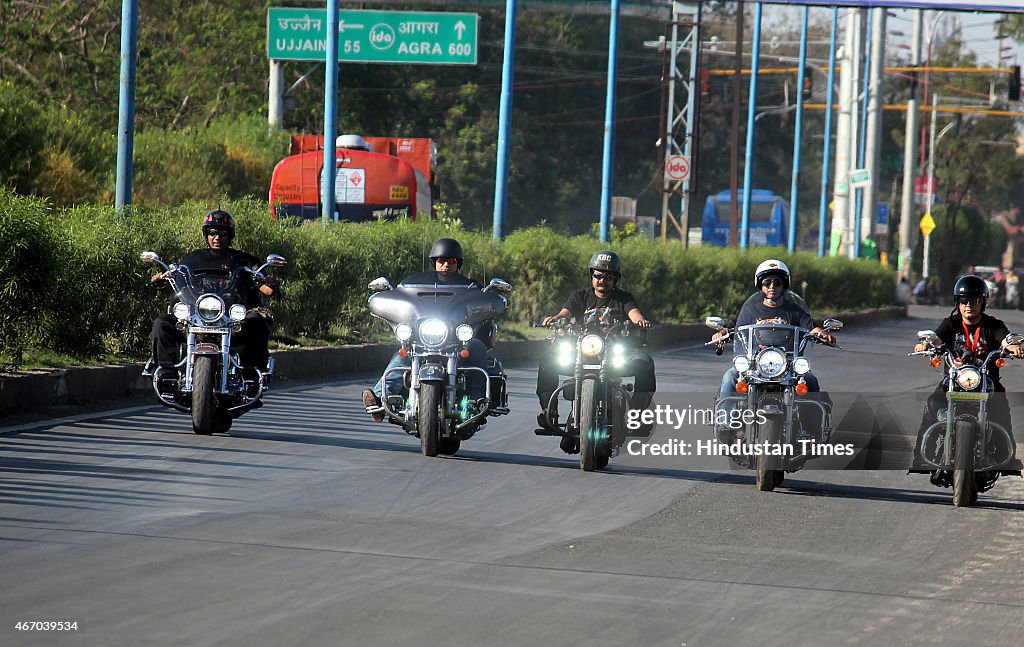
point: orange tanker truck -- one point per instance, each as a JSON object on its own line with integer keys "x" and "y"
{"x": 377, "y": 178}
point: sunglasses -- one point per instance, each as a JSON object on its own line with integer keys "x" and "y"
{"x": 771, "y": 283}
{"x": 974, "y": 301}
{"x": 449, "y": 260}
{"x": 608, "y": 276}
{"x": 218, "y": 232}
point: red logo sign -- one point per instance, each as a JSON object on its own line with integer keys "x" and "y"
{"x": 355, "y": 179}
{"x": 677, "y": 168}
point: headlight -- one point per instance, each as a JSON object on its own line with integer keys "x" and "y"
{"x": 566, "y": 350}
{"x": 433, "y": 332}
{"x": 801, "y": 366}
{"x": 210, "y": 307}
{"x": 741, "y": 363}
{"x": 237, "y": 312}
{"x": 592, "y": 345}
{"x": 771, "y": 363}
{"x": 182, "y": 311}
{"x": 403, "y": 332}
{"x": 618, "y": 349}
{"x": 464, "y": 332}
{"x": 968, "y": 378}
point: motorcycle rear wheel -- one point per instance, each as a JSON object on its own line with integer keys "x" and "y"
{"x": 428, "y": 419}
{"x": 589, "y": 442}
{"x": 448, "y": 446}
{"x": 768, "y": 474}
{"x": 965, "y": 489}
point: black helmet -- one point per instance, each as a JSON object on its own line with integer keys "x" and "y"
{"x": 447, "y": 248}
{"x": 606, "y": 260}
{"x": 972, "y": 287}
{"x": 219, "y": 219}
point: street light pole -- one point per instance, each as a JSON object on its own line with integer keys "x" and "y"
{"x": 909, "y": 156}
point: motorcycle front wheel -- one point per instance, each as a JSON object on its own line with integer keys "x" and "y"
{"x": 768, "y": 474}
{"x": 593, "y": 455}
{"x": 428, "y": 418}
{"x": 204, "y": 404}
{"x": 965, "y": 489}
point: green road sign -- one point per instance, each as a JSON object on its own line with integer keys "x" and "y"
{"x": 374, "y": 36}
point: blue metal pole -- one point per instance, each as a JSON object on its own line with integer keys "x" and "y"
{"x": 504, "y": 122}
{"x": 748, "y": 161}
{"x": 862, "y": 135}
{"x": 794, "y": 190}
{"x": 126, "y": 105}
{"x": 330, "y": 173}
{"x": 826, "y": 160}
{"x": 608, "y": 161}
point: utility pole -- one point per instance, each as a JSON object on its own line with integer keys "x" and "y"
{"x": 909, "y": 149}
{"x": 734, "y": 153}
{"x": 874, "y": 126}
{"x": 856, "y": 26}
{"x": 841, "y": 187}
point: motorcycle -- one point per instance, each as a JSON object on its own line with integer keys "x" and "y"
{"x": 209, "y": 381}
{"x": 955, "y": 447}
{"x": 435, "y": 317}
{"x": 772, "y": 421}
{"x": 591, "y": 352}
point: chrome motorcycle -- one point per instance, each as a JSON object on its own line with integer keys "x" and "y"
{"x": 436, "y": 316}
{"x": 209, "y": 380}
{"x": 771, "y": 419}
{"x": 590, "y": 353}
{"x": 964, "y": 448}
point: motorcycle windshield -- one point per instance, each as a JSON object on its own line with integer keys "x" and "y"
{"x": 448, "y": 296}
{"x": 750, "y": 340}
{"x": 231, "y": 287}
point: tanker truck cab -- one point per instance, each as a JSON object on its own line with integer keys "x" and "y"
{"x": 376, "y": 178}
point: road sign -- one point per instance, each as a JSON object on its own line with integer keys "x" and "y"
{"x": 677, "y": 168}
{"x": 882, "y": 222}
{"x": 374, "y": 36}
{"x": 860, "y": 177}
{"x": 927, "y": 224}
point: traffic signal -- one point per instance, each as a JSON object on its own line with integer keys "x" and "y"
{"x": 808, "y": 89}
{"x": 1013, "y": 94}
{"x": 705, "y": 82}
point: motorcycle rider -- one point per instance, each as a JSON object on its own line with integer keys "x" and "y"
{"x": 447, "y": 257}
{"x": 773, "y": 303}
{"x": 605, "y": 273}
{"x": 219, "y": 258}
{"x": 970, "y": 333}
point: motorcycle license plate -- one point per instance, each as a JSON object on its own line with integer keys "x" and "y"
{"x": 203, "y": 330}
{"x": 960, "y": 395}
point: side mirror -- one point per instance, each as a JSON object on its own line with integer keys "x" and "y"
{"x": 379, "y": 284}
{"x": 715, "y": 322}
{"x": 1014, "y": 339}
{"x": 500, "y": 285}
{"x": 929, "y": 337}
{"x": 152, "y": 257}
{"x": 276, "y": 260}
{"x": 832, "y": 325}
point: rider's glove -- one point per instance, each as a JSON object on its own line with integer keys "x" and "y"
{"x": 272, "y": 283}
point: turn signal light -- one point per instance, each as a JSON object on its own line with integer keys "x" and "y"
{"x": 741, "y": 387}
{"x": 464, "y": 353}
{"x": 1000, "y": 362}
{"x": 801, "y": 389}
{"x": 403, "y": 352}
{"x": 936, "y": 361}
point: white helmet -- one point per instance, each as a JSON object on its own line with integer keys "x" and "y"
{"x": 772, "y": 266}
{"x": 353, "y": 142}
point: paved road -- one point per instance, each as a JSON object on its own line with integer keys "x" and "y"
{"x": 310, "y": 525}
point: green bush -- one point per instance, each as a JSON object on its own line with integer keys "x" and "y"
{"x": 22, "y": 138}
{"x": 84, "y": 293}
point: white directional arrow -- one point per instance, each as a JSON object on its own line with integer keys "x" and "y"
{"x": 342, "y": 26}
{"x": 460, "y": 27}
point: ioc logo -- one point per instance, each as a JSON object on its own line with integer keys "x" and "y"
{"x": 382, "y": 36}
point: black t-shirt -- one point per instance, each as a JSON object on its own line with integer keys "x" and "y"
{"x": 791, "y": 312}
{"x": 219, "y": 264}
{"x": 993, "y": 331}
{"x": 619, "y": 303}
